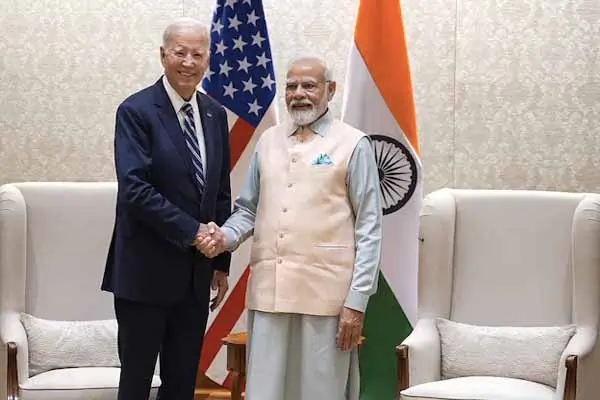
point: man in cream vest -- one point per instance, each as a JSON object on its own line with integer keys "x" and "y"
{"x": 312, "y": 203}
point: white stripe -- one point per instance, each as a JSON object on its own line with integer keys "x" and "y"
{"x": 196, "y": 157}
{"x": 231, "y": 117}
{"x": 365, "y": 108}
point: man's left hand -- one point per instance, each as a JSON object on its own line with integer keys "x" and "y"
{"x": 350, "y": 329}
{"x": 220, "y": 284}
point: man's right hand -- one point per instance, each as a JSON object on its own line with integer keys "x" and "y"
{"x": 210, "y": 240}
{"x": 350, "y": 328}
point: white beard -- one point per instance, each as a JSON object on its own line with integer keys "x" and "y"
{"x": 304, "y": 117}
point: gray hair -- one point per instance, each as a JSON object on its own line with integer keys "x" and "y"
{"x": 312, "y": 57}
{"x": 183, "y": 22}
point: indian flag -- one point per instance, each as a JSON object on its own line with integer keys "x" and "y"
{"x": 378, "y": 100}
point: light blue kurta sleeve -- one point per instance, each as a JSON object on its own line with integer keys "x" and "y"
{"x": 240, "y": 225}
{"x": 365, "y": 197}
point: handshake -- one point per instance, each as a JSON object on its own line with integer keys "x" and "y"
{"x": 210, "y": 240}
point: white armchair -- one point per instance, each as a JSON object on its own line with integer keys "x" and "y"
{"x": 509, "y": 297}
{"x": 53, "y": 243}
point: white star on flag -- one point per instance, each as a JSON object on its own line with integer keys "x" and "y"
{"x": 252, "y": 18}
{"x": 262, "y": 60}
{"x": 229, "y": 90}
{"x": 234, "y": 22}
{"x": 225, "y": 68}
{"x": 238, "y": 44}
{"x": 217, "y": 27}
{"x": 221, "y": 48}
{"x": 249, "y": 85}
{"x": 257, "y": 39}
{"x": 268, "y": 82}
{"x": 254, "y": 107}
{"x": 244, "y": 65}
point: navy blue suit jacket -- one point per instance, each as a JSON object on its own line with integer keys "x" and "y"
{"x": 159, "y": 205}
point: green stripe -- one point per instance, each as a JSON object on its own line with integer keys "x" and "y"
{"x": 386, "y": 326}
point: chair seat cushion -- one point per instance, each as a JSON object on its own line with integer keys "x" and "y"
{"x": 94, "y": 383}
{"x": 480, "y": 388}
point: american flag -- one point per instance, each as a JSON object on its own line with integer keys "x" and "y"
{"x": 241, "y": 77}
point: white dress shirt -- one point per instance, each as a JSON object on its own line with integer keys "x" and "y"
{"x": 177, "y": 101}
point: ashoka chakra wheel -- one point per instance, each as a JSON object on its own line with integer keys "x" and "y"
{"x": 397, "y": 172}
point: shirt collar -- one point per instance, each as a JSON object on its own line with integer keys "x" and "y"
{"x": 175, "y": 98}
{"x": 321, "y": 126}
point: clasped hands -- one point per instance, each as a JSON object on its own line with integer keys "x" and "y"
{"x": 210, "y": 240}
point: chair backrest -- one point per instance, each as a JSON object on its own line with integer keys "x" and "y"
{"x": 54, "y": 238}
{"x": 518, "y": 258}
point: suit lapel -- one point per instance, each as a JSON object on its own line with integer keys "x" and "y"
{"x": 170, "y": 122}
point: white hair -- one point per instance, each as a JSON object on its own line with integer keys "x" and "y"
{"x": 183, "y": 22}
{"x": 312, "y": 57}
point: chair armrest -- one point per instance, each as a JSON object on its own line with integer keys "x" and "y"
{"x": 419, "y": 355}
{"x": 13, "y": 334}
{"x": 579, "y": 347}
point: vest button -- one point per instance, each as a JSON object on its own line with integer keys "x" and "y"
{"x": 279, "y": 261}
{"x": 290, "y": 185}
{"x": 281, "y": 235}
{"x": 284, "y": 210}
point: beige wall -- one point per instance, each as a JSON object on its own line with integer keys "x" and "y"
{"x": 507, "y": 91}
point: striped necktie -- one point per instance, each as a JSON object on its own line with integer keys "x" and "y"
{"x": 191, "y": 139}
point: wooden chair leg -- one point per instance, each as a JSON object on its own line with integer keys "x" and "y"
{"x": 12, "y": 375}
{"x": 571, "y": 378}
{"x": 236, "y": 389}
{"x": 402, "y": 365}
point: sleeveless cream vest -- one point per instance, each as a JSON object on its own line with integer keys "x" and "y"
{"x": 303, "y": 247}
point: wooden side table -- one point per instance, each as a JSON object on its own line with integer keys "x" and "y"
{"x": 236, "y": 361}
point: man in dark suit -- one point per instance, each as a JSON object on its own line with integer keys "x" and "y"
{"x": 172, "y": 163}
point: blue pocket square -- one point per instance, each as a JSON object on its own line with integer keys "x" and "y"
{"x": 322, "y": 159}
